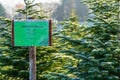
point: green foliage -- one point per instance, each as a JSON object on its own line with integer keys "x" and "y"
{"x": 70, "y": 39}
{"x": 32, "y": 10}
{"x": 71, "y": 30}
{"x": 87, "y": 53}
{"x": 14, "y": 61}
{"x": 96, "y": 47}
{"x": 102, "y": 44}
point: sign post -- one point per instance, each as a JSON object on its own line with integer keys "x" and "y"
{"x": 32, "y": 63}
{"x": 31, "y": 33}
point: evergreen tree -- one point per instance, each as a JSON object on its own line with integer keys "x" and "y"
{"x": 14, "y": 61}
{"x": 98, "y": 50}
{"x": 102, "y": 59}
{"x": 70, "y": 37}
{"x": 104, "y": 37}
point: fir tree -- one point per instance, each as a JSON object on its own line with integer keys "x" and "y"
{"x": 103, "y": 59}
{"x": 72, "y": 42}
{"x": 14, "y": 61}
{"x": 98, "y": 49}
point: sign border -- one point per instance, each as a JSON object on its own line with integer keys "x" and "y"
{"x": 50, "y": 32}
{"x": 12, "y": 32}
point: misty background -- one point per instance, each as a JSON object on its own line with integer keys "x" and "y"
{"x": 60, "y": 9}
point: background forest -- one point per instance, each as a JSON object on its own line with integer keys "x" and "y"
{"x": 78, "y": 52}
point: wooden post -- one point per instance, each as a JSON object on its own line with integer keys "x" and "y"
{"x": 32, "y": 63}
{"x": 32, "y": 60}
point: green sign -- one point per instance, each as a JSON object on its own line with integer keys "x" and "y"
{"x": 31, "y": 32}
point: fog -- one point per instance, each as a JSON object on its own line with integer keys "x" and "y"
{"x": 10, "y": 5}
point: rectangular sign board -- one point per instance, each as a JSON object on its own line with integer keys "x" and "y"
{"x": 31, "y": 32}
